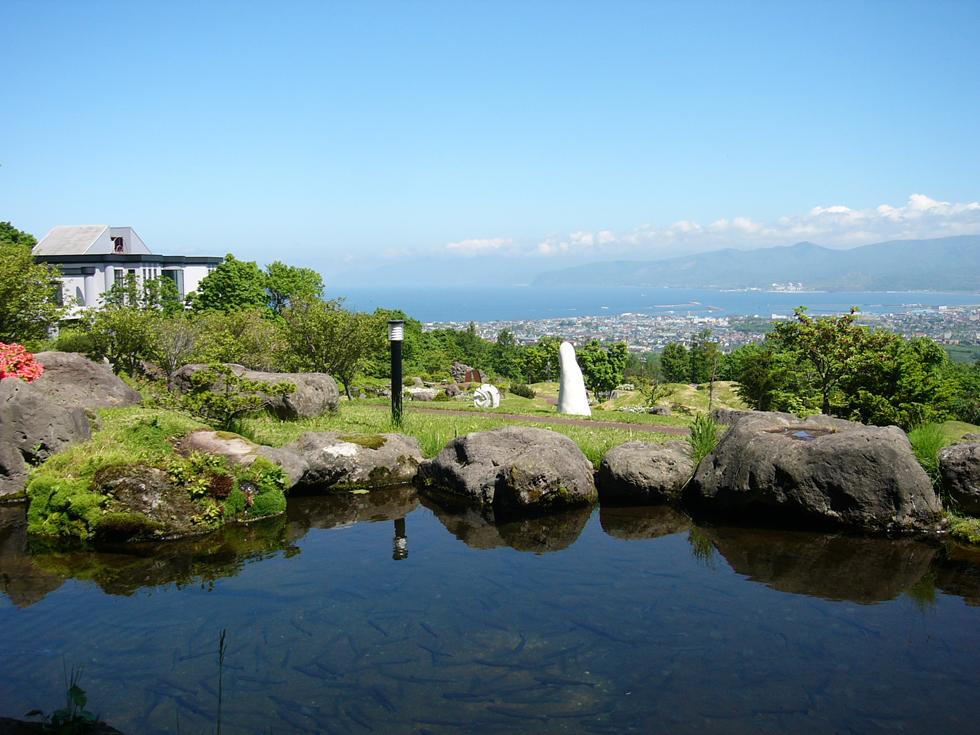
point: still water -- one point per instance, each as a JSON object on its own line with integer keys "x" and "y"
{"x": 385, "y": 613}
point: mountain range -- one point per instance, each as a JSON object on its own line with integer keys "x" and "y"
{"x": 944, "y": 264}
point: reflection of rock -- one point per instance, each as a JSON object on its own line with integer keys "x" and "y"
{"x": 515, "y": 468}
{"x": 33, "y": 426}
{"x": 315, "y": 394}
{"x": 645, "y": 472}
{"x": 960, "y": 468}
{"x": 834, "y": 567}
{"x": 122, "y": 569}
{"x": 642, "y": 522}
{"x": 480, "y": 529}
{"x": 957, "y": 572}
{"x": 818, "y": 470}
{"x": 572, "y": 398}
{"x": 346, "y": 508}
{"x": 71, "y": 380}
{"x": 20, "y": 579}
{"x": 356, "y": 460}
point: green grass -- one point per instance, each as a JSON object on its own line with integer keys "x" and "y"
{"x": 435, "y": 430}
{"x": 926, "y": 441}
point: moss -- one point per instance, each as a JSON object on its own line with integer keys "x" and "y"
{"x": 63, "y": 507}
{"x": 965, "y": 529}
{"x": 235, "y": 504}
{"x": 126, "y": 526}
{"x": 379, "y": 476}
{"x": 268, "y": 504}
{"x": 369, "y": 441}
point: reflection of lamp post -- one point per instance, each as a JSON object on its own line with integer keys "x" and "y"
{"x": 401, "y": 541}
{"x": 396, "y": 335}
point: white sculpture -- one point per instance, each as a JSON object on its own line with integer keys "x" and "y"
{"x": 487, "y": 396}
{"x": 572, "y": 397}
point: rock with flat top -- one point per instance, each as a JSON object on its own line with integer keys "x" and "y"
{"x": 72, "y": 380}
{"x": 356, "y": 460}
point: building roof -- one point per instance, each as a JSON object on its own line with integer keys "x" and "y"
{"x": 70, "y": 240}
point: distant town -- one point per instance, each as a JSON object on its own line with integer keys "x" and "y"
{"x": 948, "y": 325}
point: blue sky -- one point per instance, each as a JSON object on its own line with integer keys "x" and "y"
{"x": 348, "y": 136}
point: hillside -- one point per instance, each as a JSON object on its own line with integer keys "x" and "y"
{"x": 945, "y": 264}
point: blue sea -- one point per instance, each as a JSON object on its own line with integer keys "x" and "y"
{"x": 512, "y": 303}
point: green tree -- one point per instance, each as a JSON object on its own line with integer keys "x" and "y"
{"x": 29, "y": 292}
{"x": 761, "y": 373}
{"x": 286, "y": 283}
{"x": 829, "y": 345}
{"x": 324, "y": 337}
{"x": 675, "y": 363}
{"x": 173, "y": 339}
{"x": 246, "y": 337}
{"x": 702, "y": 357}
{"x": 121, "y": 334}
{"x": 603, "y": 367}
{"x": 232, "y": 286}
{"x": 503, "y": 354}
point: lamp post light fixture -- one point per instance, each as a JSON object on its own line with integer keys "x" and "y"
{"x": 396, "y": 335}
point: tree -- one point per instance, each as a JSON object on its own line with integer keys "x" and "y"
{"x": 702, "y": 357}
{"x": 232, "y": 286}
{"x": 286, "y": 283}
{"x": 761, "y": 373}
{"x": 29, "y": 292}
{"x": 324, "y": 337}
{"x": 603, "y": 367}
{"x": 247, "y": 337}
{"x": 121, "y": 334}
{"x": 172, "y": 341}
{"x": 675, "y": 363}
{"x": 829, "y": 345}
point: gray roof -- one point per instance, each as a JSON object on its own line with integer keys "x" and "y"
{"x": 69, "y": 240}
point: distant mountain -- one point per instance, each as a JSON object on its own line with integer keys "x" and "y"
{"x": 944, "y": 264}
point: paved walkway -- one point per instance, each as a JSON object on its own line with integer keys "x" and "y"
{"x": 677, "y": 430}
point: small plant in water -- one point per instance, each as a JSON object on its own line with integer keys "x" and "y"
{"x": 702, "y": 548}
{"x": 73, "y": 718}
{"x": 704, "y": 437}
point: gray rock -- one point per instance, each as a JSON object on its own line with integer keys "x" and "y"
{"x": 642, "y": 473}
{"x": 970, "y": 438}
{"x": 356, "y": 460}
{"x": 659, "y": 410}
{"x": 453, "y": 390}
{"x": 315, "y": 394}
{"x": 959, "y": 466}
{"x": 32, "y": 428}
{"x": 512, "y": 469}
{"x": 819, "y": 470}
{"x": 72, "y": 380}
{"x": 423, "y": 395}
{"x": 729, "y": 416}
{"x": 240, "y": 451}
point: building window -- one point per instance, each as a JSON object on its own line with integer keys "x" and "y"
{"x": 118, "y": 245}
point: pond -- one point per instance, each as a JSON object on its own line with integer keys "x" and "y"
{"x": 385, "y": 613}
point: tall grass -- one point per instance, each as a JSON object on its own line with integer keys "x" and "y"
{"x": 704, "y": 437}
{"x": 926, "y": 441}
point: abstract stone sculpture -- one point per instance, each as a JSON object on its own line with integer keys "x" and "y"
{"x": 487, "y": 396}
{"x": 572, "y": 397}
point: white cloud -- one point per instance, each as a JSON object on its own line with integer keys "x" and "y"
{"x": 835, "y": 226}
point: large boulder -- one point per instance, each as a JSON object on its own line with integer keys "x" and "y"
{"x": 72, "y": 380}
{"x": 240, "y": 451}
{"x": 645, "y": 473}
{"x": 315, "y": 394}
{"x": 959, "y": 466}
{"x": 32, "y": 428}
{"x": 819, "y": 470}
{"x": 729, "y": 416}
{"x": 512, "y": 469}
{"x": 356, "y": 460}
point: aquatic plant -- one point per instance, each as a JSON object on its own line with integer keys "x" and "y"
{"x": 73, "y": 718}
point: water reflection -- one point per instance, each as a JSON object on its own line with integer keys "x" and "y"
{"x": 830, "y": 566}
{"x": 481, "y": 529}
{"x": 643, "y": 522}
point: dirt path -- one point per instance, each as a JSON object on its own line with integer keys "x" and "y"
{"x": 676, "y": 430}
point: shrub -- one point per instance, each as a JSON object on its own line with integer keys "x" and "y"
{"x": 74, "y": 340}
{"x": 523, "y": 390}
{"x": 17, "y": 362}
{"x": 442, "y": 396}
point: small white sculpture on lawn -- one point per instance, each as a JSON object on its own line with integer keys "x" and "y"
{"x": 572, "y": 397}
{"x": 487, "y": 396}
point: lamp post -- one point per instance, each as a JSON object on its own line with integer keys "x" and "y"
{"x": 396, "y": 335}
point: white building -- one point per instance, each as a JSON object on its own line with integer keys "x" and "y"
{"x": 94, "y": 257}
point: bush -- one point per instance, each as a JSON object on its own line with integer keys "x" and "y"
{"x": 74, "y": 340}
{"x": 523, "y": 390}
{"x": 442, "y": 396}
